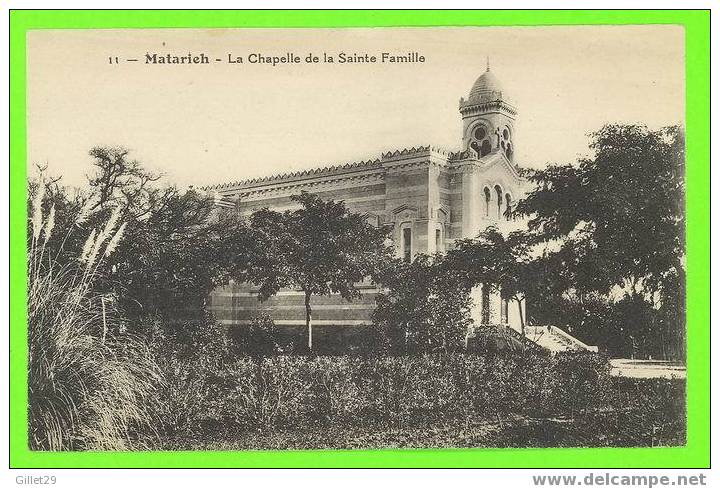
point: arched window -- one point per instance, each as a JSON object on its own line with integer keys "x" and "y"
{"x": 508, "y": 210}
{"x": 487, "y": 201}
{"x": 509, "y": 151}
{"x": 485, "y": 148}
{"x": 498, "y": 192}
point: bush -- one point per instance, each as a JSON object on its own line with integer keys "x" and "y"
{"x": 269, "y": 392}
{"x": 581, "y": 382}
{"x": 336, "y": 393}
{"x": 193, "y": 354}
{"x": 189, "y": 397}
{"x": 426, "y": 308}
{"x": 649, "y": 409}
{"x": 292, "y": 394}
{"x": 404, "y": 388}
{"x": 259, "y": 338}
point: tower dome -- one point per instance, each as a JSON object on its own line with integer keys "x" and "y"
{"x": 486, "y": 88}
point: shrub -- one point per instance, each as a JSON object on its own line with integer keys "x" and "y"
{"x": 268, "y": 392}
{"x": 581, "y": 382}
{"x": 403, "y": 388}
{"x": 194, "y": 355}
{"x": 190, "y": 395}
{"x": 425, "y": 308}
{"x": 652, "y": 411}
{"x": 336, "y": 395}
{"x": 259, "y": 338}
{"x": 516, "y": 396}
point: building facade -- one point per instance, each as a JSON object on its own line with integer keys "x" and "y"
{"x": 426, "y": 196}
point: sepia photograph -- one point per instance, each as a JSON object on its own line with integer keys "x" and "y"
{"x": 357, "y": 238}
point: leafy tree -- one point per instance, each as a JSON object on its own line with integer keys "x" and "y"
{"x": 625, "y": 204}
{"x": 617, "y": 219}
{"x": 500, "y": 262}
{"x": 172, "y": 260}
{"x": 123, "y": 182}
{"x": 172, "y": 251}
{"x": 425, "y": 308}
{"x": 320, "y": 248}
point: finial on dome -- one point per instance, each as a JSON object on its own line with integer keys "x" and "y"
{"x": 488, "y": 63}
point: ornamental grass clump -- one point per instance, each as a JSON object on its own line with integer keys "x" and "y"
{"x": 90, "y": 385}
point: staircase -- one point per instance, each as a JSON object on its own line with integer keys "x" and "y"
{"x": 498, "y": 338}
{"x": 556, "y": 340}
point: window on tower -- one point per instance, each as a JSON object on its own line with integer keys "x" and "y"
{"x": 498, "y": 192}
{"x": 487, "y": 201}
{"x": 485, "y": 148}
{"x": 508, "y": 210}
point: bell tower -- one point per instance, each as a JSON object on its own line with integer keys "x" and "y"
{"x": 488, "y": 118}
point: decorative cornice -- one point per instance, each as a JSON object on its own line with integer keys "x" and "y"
{"x": 281, "y": 187}
{"x": 297, "y": 175}
{"x": 472, "y": 164}
{"x": 335, "y": 172}
{"x": 474, "y": 107}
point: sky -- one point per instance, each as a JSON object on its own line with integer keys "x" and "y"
{"x": 217, "y": 123}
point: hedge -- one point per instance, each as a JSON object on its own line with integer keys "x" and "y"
{"x": 208, "y": 398}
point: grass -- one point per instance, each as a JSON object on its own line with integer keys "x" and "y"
{"x": 90, "y": 385}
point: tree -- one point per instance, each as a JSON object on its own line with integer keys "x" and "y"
{"x": 617, "y": 217}
{"x": 173, "y": 259}
{"x": 320, "y": 248}
{"x": 502, "y": 263}
{"x": 425, "y": 308}
{"x": 173, "y": 250}
{"x": 120, "y": 181}
{"x": 626, "y": 204}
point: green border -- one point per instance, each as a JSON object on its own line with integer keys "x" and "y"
{"x": 697, "y": 452}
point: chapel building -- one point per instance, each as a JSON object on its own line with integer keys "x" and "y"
{"x": 426, "y": 196}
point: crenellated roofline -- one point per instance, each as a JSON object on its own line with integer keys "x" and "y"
{"x": 331, "y": 170}
{"x": 415, "y": 150}
{"x": 297, "y": 175}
